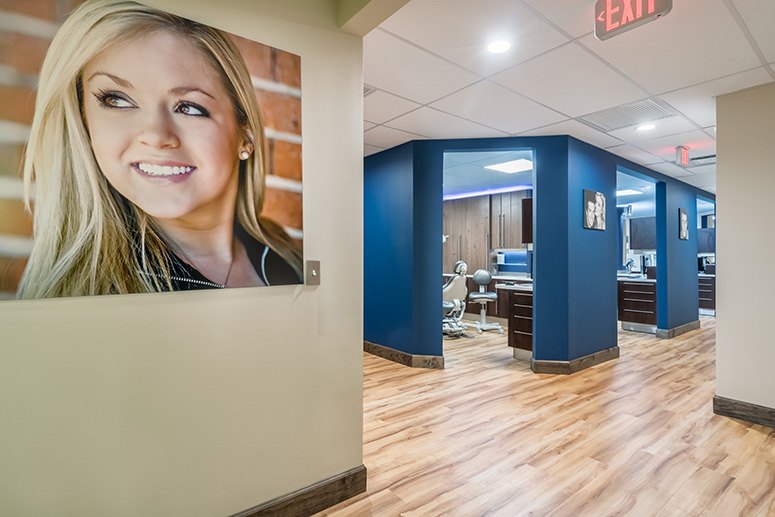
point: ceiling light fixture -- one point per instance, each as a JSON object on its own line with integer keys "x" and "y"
{"x": 627, "y": 192}
{"x": 512, "y": 166}
{"x": 498, "y": 47}
{"x": 646, "y": 127}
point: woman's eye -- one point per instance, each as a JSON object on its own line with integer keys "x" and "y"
{"x": 112, "y": 100}
{"x": 194, "y": 110}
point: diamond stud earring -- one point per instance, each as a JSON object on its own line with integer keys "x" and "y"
{"x": 243, "y": 155}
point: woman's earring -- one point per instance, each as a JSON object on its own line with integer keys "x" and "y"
{"x": 243, "y": 155}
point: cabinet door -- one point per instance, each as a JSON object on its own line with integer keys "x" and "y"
{"x": 476, "y": 249}
{"x": 527, "y": 220}
{"x": 453, "y": 225}
{"x": 496, "y": 221}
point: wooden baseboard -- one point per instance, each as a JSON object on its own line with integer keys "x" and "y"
{"x": 677, "y": 331}
{"x": 397, "y": 356}
{"x": 753, "y": 413}
{"x": 568, "y": 367}
{"x": 313, "y": 498}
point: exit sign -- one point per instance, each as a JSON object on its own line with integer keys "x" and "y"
{"x": 615, "y": 16}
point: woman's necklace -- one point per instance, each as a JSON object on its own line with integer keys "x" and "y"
{"x": 228, "y": 272}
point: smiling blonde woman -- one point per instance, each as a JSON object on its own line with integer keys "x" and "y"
{"x": 146, "y": 154}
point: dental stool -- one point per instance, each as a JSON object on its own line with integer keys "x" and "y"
{"x": 482, "y": 278}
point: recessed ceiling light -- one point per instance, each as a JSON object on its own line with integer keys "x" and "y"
{"x": 511, "y": 167}
{"x": 646, "y": 127}
{"x": 498, "y": 47}
{"x": 627, "y": 192}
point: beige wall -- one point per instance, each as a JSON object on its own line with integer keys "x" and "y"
{"x": 205, "y": 403}
{"x": 745, "y": 349}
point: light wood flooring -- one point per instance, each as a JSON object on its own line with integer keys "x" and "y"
{"x": 485, "y": 436}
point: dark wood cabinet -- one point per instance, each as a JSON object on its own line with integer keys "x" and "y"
{"x": 503, "y": 303}
{"x": 707, "y": 292}
{"x": 521, "y": 319}
{"x": 506, "y": 220}
{"x": 466, "y": 222}
{"x": 527, "y": 220}
{"x": 638, "y": 302}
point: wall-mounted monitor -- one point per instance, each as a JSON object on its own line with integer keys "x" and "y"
{"x": 706, "y": 240}
{"x": 643, "y": 233}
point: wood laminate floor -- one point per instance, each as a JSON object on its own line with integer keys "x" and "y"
{"x": 486, "y": 436}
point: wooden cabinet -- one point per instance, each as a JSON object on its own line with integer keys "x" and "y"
{"x": 467, "y": 223}
{"x": 507, "y": 225}
{"x": 707, "y": 292}
{"x": 503, "y": 303}
{"x": 638, "y": 302}
{"x": 521, "y": 319}
{"x": 527, "y": 220}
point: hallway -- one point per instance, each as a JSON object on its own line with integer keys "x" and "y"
{"x": 633, "y": 436}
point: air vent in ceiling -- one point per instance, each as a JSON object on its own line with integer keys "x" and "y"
{"x": 368, "y": 90}
{"x": 702, "y": 160}
{"x": 627, "y": 115}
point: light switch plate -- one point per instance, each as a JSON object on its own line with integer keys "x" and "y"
{"x": 312, "y": 272}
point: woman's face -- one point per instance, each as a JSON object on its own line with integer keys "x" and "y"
{"x": 163, "y": 128}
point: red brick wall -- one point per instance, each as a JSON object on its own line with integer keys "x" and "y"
{"x": 22, "y": 50}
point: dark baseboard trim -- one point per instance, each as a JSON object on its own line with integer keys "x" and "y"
{"x": 568, "y": 367}
{"x": 677, "y": 331}
{"x": 397, "y": 356}
{"x": 313, "y": 498}
{"x": 753, "y": 413}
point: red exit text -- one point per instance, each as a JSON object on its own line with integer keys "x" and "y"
{"x": 615, "y": 16}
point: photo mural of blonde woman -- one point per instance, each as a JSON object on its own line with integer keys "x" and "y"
{"x": 161, "y": 154}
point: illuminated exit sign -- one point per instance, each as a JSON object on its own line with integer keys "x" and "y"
{"x": 615, "y": 16}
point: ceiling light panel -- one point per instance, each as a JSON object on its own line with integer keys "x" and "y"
{"x": 512, "y": 166}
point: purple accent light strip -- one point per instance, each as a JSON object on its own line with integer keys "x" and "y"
{"x": 502, "y": 190}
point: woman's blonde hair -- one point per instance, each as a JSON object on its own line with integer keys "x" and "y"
{"x": 89, "y": 239}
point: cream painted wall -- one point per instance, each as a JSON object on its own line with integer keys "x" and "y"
{"x": 205, "y": 403}
{"x": 745, "y": 246}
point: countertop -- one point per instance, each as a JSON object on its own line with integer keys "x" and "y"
{"x": 635, "y": 278}
{"x": 516, "y": 286}
{"x": 515, "y": 277}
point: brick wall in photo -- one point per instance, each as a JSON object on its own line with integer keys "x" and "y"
{"x": 25, "y": 34}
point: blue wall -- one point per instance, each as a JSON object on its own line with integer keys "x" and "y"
{"x": 594, "y": 256}
{"x": 677, "y": 302}
{"x": 574, "y": 268}
{"x": 388, "y": 249}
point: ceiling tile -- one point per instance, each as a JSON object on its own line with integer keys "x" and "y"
{"x": 571, "y": 81}
{"x": 370, "y": 149}
{"x": 397, "y": 67}
{"x": 576, "y": 17}
{"x": 436, "y": 124}
{"x": 576, "y": 130}
{"x": 759, "y": 16}
{"x": 633, "y": 153}
{"x": 493, "y": 105}
{"x": 387, "y": 137}
{"x": 459, "y": 30}
{"x": 699, "y": 102}
{"x": 700, "y": 180}
{"x": 704, "y": 169}
{"x": 368, "y": 125}
{"x": 670, "y": 169}
{"x": 664, "y": 127}
{"x": 380, "y": 107}
{"x": 685, "y": 47}
{"x": 699, "y": 144}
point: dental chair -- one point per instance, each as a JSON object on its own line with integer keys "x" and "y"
{"x": 482, "y": 278}
{"x": 453, "y": 301}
